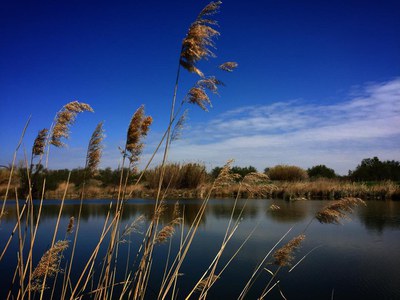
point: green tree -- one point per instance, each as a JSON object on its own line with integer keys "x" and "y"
{"x": 321, "y": 171}
{"x": 372, "y": 169}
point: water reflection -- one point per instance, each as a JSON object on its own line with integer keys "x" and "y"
{"x": 290, "y": 211}
{"x": 378, "y": 215}
{"x": 359, "y": 265}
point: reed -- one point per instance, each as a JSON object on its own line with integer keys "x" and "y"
{"x": 99, "y": 278}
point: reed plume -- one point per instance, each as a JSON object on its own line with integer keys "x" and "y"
{"x": 177, "y": 131}
{"x": 284, "y": 256}
{"x": 197, "y": 94}
{"x": 70, "y": 226}
{"x": 164, "y": 234}
{"x": 95, "y": 149}
{"x": 199, "y": 39}
{"x": 134, "y": 226}
{"x": 229, "y": 66}
{"x": 65, "y": 118}
{"x": 40, "y": 142}
{"x": 332, "y": 213}
{"x": 138, "y": 128}
{"x": 49, "y": 264}
{"x": 225, "y": 176}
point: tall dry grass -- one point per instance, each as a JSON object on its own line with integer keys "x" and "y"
{"x": 50, "y": 275}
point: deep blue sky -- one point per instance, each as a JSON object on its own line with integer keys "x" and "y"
{"x": 307, "y": 55}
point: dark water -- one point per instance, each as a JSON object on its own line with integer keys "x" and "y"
{"x": 357, "y": 260}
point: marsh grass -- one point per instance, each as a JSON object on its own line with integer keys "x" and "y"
{"x": 99, "y": 277}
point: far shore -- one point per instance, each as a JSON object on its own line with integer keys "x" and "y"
{"x": 301, "y": 190}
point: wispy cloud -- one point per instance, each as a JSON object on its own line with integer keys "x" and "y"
{"x": 296, "y": 132}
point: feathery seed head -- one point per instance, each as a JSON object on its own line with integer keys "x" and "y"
{"x": 65, "y": 118}
{"x": 49, "y": 264}
{"x": 95, "y": 149}
{"x": 165, "y": 234}
{"x": 332, "y": 213}
{"x": 225, "y": 176}
{"x": 40, "y": 142}
{"x": 138, "y": 128}
{"x": 229, "y": 66}
{"x": 284, "y": 256}
{"x": 199, "y": 39}
{"x": 177, "y": 131}
{"x": 198, "y": 96}
{"x": 70, "y": 226}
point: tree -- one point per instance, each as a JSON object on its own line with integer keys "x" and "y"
{"x": 321, "y": 171}
{"x": 372, "y": 169}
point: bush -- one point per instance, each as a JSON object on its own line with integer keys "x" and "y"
{"x": 321, "y": 171}
{"x": 177, "y": 176}
{"x": 287, "y": 173}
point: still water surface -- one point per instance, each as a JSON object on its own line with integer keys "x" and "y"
{"x": 359, "y": 259}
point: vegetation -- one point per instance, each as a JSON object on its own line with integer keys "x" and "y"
{"x": 321, "y": 171}
{"x": 49, "y": 273}
{"x": 287, "y": 173}
{"x": 372, "y": 169}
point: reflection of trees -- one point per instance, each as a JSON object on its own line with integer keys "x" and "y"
{"x": 99, "y": 210}
{"x": 289, "y": 212}
{"x": 378, "y": 215}
{"x": 224, "y": 209}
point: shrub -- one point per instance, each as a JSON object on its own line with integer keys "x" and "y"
{"x": 321, "y": 171}
{"x": 287, "y": 173}
{"x": 177, "y": 176}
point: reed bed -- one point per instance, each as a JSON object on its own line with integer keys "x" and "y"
{"x": 54, "y": 273}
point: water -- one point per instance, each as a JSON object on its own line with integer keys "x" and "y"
{"x": 357, "y": 260}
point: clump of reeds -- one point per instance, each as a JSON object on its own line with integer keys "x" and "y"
{"x": 49, "y": 264}
{"x": 66, "y": 117}
{"x": 332, "y": 213}
{"x": 284, "y": 256}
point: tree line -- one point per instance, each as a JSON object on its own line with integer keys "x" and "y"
{"x": 191, "y": 175}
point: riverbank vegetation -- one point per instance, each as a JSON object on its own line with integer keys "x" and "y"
{"x": 106, "y": 275}
{"x": 372, "y": 179}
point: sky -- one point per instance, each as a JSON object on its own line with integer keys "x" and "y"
{"x": 318, "y": 82}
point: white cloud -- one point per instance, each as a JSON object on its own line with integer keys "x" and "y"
{"x": 296, "y": 132}
{"x": 338, "y": 135}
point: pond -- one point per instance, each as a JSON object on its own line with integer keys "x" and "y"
{"x": 359, "y": 259}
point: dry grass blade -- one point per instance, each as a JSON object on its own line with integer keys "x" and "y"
{"x": 229, "y": 66}
{"x": 65, "y": 118}
{"x": 95, "y": 149}
{"x": 332, "y": 213}
{"x": 284, "y": 256}
{"x": 199, "y": 39}
{"x": 40, "y": 142}
{"x": 48, "y": 264}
